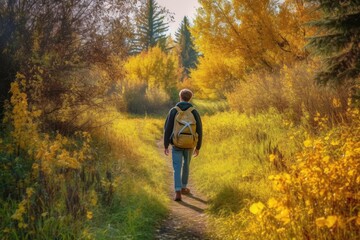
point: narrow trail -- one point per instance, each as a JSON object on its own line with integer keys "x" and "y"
{"x": 186, "y": 219}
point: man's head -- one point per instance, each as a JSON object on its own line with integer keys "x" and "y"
{"x": 185, "y": 95}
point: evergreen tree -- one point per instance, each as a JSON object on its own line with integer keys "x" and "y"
{"x": 188, "y": 55}
{"x": 337, "y": 40}
{"x": 151, "y": 28}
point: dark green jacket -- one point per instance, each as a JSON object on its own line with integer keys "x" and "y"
{"x": 169, "y": 124}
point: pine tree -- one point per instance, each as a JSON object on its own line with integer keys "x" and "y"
{"x": 337, "y": 40}
{"x": 151, "y": 28}
{"x": 188, "y": 54}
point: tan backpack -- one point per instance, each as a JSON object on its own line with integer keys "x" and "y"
{"x": 184, "y": 133}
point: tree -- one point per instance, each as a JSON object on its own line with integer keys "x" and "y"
{"x": 337, "y": 40}
{"x": 239, "y": 37}
{"x": 150, "y": 80}
{"x": 151, "y": 27}
{"x": 56, "y": 45}
{"x": 188, "y": 54}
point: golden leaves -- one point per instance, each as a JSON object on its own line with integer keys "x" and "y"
{"x": 283, "y": 215}
{"x": 328, "y": 222}
{"x": 316, "y": 191}
{"x": 308, "y": 143}
{"x": 272, "y": 157}
{"x": 272, "y": 203}
{"x": 257, "y": 208}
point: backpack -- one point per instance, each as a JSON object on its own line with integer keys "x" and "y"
{"x": 184, "y": 133}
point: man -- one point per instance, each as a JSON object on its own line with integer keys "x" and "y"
{"x": 181, "y": 156}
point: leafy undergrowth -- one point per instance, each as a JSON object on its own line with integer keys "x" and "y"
{"x": 107, "y": 184}
{"x": 269, "y": 179}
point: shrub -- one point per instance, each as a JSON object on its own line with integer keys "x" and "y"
{"x": 293, "y": 91}
{"x": 319, "y": 197}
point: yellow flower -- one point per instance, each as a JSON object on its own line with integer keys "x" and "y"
{"x": 308, "y": 143}
{"x": 272, "y": 202}
{"x": 22, "y": 225}
{"x": 283, "y": 216}
{"x": 257, "y": 208}
{"x": 320, "y": 222}
{"x": 89, "y": 215}
{"x": 272, "y": 157}
{"x": 336, "y": 102}
{"x": 29, "y": 192}
{"x": 329, "y": 221}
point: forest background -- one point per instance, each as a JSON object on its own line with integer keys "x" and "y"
{"x": 85, "y": 87}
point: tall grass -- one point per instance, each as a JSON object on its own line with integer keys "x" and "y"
{"x": 210, "y": 106}
{"x": 140, "y": 200}
{"x": 234, "y": 158}
{"x": 268, "y": 178}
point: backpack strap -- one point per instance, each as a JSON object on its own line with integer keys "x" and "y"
{"x": 178, "y": 109}
{"x": 190, "y": 109}
{"x": 186, "y": 125}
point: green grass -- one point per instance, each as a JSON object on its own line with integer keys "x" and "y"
{"x": 141, "y": 200}
{"x": 210, "y": 107}
{"x": 233, "y": 165}
{"x": 129, "y": 186}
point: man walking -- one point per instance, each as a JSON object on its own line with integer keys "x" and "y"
{"x": 183, "y": 130}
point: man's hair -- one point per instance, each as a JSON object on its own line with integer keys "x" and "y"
{"x": 186, "y": 94}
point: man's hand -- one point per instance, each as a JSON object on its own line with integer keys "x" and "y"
{"x": 196, "y": 152}
{"x": 166, "y": 151}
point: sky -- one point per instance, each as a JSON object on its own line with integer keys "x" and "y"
{"x": 180, "y": 8}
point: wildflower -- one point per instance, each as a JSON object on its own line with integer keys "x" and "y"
{"x": 89, "y": 215}
{"x": 257, "y": 208}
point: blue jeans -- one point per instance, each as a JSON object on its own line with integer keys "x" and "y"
{"x": 181, "y": 161}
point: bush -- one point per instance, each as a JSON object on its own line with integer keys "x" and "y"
{"x": 319, "y": 197}
{"x": 293, "y": 91}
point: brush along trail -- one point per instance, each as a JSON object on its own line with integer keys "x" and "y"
{"x": 186, "y": 219}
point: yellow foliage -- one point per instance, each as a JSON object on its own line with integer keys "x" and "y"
{"x": 213, "y": 78}
{"x": 243, "y": 36}
{"x": 154, "y": 68}
{"x": 322, "y": 187}
{"x": 89, "y": 215}
{"x": 293, "y": 92}
{"x": 49, "y": 156}
{"x": 256, "y": 208}
{"x": 328, "y": 222}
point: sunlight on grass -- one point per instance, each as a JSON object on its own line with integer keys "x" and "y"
{"x": 141, "y": 200}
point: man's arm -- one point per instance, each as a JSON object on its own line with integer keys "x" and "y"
{"x": 168, "y": 128}
{"x": 198, "y": 129}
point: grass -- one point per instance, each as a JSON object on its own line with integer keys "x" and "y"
{"x": 123, "y": 191}
{"x": 140, "y": 201}
{"x": 234, "y": 166}
{"x": 267, "y": 178}
{"x": 210, "y": 107}
{"x": 241, "y": 158}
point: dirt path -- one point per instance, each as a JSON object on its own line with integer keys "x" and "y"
{"x": 187, "y": 219}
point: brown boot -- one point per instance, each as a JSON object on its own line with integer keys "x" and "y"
{"x": 185, "y": 191}
{"x": 177, "y": 196}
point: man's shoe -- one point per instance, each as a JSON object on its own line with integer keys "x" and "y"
{"x": 177, "y": 196}
{"x": 185, "y": 191}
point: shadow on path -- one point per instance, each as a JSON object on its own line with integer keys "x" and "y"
{"x": 186, "y": 219}
{"x": 197, "y": 198}
{"x": 195, "y": 208}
